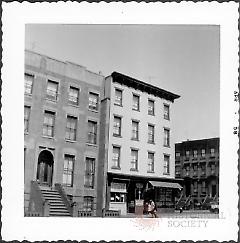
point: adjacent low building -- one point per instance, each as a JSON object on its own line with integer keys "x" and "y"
{"x": 197, "y": 163}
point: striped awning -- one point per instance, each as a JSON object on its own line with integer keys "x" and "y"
{"x": 166, "y": 184}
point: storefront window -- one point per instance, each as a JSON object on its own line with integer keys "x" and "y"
{"x": 164, "y": 197}
{"x": 117, "y": 197}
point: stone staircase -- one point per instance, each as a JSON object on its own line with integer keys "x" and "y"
{"x": 56, "y": 206}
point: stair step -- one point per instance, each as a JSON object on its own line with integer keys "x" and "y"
{"x": 61, "y": 210}
{"x": 59, "y": 213}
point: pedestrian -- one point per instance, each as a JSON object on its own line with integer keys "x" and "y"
{"x": 152, "y": 209}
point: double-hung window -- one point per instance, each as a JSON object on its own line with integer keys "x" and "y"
{"x": 28, "y": 83}
{"x": 212, "y": 152}
{"x": 52, "y": 90}
{"x": 93, "y": 101}
{"x": 73, "y": 96}
{"x": 116, "y": 157}
{"x": 203, "y": 152}
{"x": 88, "y": 203}
{"x": 118, "y": 97}
{"x": 117, "y": 126}
{"x": 134, "y": 159}
{"x": 166, "y": 137}
{"x": 48, "y": 123}
{"x": 68, "y": 170}
{"x": 151, "y": 107}
{"x": 26, "y": 118}
{"x": 166, "y": 167}
{"x": 150, "y": 133}
{"x": 92, "y": 132}
{"x": 89, "y": 173}
{"x": 150, "y": 162}
{"x": 166, "y": 112}
{"x": 71, "y": 128}
{"x": 135, "y": 130}
{"x": 136, "y": 102}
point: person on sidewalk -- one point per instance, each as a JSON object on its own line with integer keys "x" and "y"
{"x": 152, "y": 209}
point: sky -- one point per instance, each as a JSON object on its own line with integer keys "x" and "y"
{"x": 183, "y": 59}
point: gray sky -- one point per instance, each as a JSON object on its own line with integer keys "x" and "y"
{"x": 183, "y": 59}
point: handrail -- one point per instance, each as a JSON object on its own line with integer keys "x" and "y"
{"x": 63, "y": 195}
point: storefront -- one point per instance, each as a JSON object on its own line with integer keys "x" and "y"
{"x": 130, "y": 193}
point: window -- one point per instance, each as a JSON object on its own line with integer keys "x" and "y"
{"x": 187, "y": 153}
{"x": 118, "y": 197}
{"x": 135, "y": 130}
{"x": 89, "y": 173}
{"x": 203, "y": 170}
{"x": 93, "y": 101}
{"x": 150, "y": 133}
{"x": 166, "y": 164}
{"x": 48, "y": 123}
{"x": 212, "y": 152}
{"x": 166, "y": 137}
{"x": 117, "y": 126}
{"x": 68, "y": 170}
{"x": 71, "y": 128}
{"x": 134, "y": 159}
{"x": 26, "y": 118}
{"x": 166, "y": 112}
{"x": 203, "y": 151}
{"x": 92, "y": 132}
{"x": 150, "y": 162}
{"x": 195, "y": 153}
{"x": 88, "y": 204}
{"x": 118, "y": 97}
{"x": 52, "y": 90}
{"x": 135, "y": 102}
{"x": 73, "y": 96}
{"x": 177, "y": 154}
{"x": 203, "y": 187}
{"x": 116, "y": 157}
{"x": 28, "y": 83}
{"x": 151, "y": 107}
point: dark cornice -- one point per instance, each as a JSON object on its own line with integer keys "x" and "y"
{"x": 145, "y": 87}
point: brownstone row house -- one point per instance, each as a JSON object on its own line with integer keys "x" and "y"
{"x": 94, "y": 143}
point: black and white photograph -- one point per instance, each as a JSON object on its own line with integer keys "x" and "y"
{"x": 128, "y": 126}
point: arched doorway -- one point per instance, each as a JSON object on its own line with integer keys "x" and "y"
{"x": 45, "y": 167}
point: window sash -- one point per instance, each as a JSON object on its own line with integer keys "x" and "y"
{"x": 88, "y": 203}
{"x": 166, "y": 112}
{"x": 151, "y": 162}
{"x": 166, "y": 164}
{"x": 118, "y": 97}
{"x": 89, "y": 173}
{"x": 73, "y": 95}
{"x": 116, "y": 157}
{"x": 117, "y": 126}
{"x": 52, "y": 90}
{"x": 28, "y": 83}
{"x": 135, "y": 130}
{"x": 71, "y": 128}
{"x": 93, "y": 101}
{"x": 151, "y": 107}
{"x": 134, "y": 159}
{"x": 203, "y": 152}
{"x": 92, "y": 132}
{"x": 136, "y": 102}
{"x": 68, "y": 169}
{"x": 48, "y": 124}
{"x": 150, "y": 134}
{"x": 26, "y": 118}
{"x": 166, "y": 137}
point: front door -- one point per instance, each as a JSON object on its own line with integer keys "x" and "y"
{"x": 45, "y": 168}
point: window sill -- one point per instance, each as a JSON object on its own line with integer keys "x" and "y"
{"x": 118, "y": 104}
{"x": 151, "y": 114}
{"x": 47, "y": 137}
{"x": 136, "y": 170}
{"x": 95, "y": 111}
{"x": 166, "y": 174}
{"x": 135, "y": 139}
{"x": 149, "y": 171}
{"x": 51, "y": 100}
{"x": 116, "y": 135}
{"x": 165, "y": 118}
{"x": 136, "y": 110}
{"x": 115, "y": 168}
{"x": 26, "y": 133}
{"x": 70, "y": 141}
{"x": 166, "y": 146}
{"x": 88, "y": 188}
{"x": 151, "y": 142}
{"x": 28, "y": 95}
{"x": 92, "y": 145}
{"x": 74, "y": 105}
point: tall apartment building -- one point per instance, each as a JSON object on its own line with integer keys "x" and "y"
{"x": 197, "y": 162}
{"x": 61, "y": 126}
{"x": 136, "y": 153}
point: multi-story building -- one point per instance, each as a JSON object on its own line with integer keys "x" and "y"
{"x": 61, "y": 126}
{"x": 197, "y": 162}
{"x": 136, "y": 153}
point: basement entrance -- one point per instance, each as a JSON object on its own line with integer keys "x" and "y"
{"x": 45, "y": 168}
